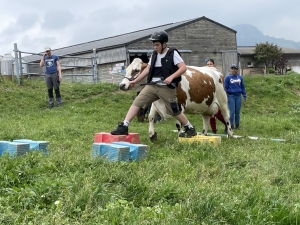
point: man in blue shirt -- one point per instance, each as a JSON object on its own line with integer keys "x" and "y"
{"x": 52, "y": 76}
{"x": 235, "y": 88}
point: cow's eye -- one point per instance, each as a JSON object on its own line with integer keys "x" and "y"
{"x": 136, "y": 70}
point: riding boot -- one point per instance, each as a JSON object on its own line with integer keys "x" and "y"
{"x": 50, "y": 98}
{"x": 51, "y": 102}
{"x": 58, "y": 101}
{"x": 58, "y": 97}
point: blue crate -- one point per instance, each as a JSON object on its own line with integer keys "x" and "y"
{"x": 3, "y": 147}
{"x": 111, "y": 152}
{"x": 118, "y": 153}
{"x": 137, "y": 151}
{"x": 36, "y": 145}
{"x": 14, "y": 148}
{"x": 100, "y": 149}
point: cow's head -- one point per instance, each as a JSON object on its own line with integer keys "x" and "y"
{"x": 132, "y": 72}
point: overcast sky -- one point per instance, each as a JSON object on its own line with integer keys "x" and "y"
{"x": 35, "y": 24}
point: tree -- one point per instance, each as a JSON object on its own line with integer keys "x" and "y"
{"x": 267, "y": 53}
{"x": 281, "y": 63}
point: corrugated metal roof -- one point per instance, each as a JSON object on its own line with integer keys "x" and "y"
{"x": 249, "y": 50}
{"x": 119, "y": 40}
{"x": 147, "y": 50}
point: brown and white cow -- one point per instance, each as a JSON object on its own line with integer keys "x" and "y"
{"x": 200, "y": 91}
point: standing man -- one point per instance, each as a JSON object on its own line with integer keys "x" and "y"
{"x": 164, "y": 70}
{"x": 52, "y": 76}
{"x": 235, "y": 88}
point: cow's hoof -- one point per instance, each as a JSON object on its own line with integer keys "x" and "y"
{"x": 153, "y": 137}
{"x": 230, "y": 132}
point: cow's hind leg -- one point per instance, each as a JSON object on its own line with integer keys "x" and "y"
{"x": 225, "y": 113}
{"x": 151, "y": 116}
{"x": 213, "y": 109}
{"x": 205, "y": 119}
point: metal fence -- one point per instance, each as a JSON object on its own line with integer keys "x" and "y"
{"x": 70, "y": 71}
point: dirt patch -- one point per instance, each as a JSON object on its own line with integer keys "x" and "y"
{"x": 297, "y": 92}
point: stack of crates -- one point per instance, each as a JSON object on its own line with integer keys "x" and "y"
{"x": 119, "y": 147}
{"x": 22, "y": 146}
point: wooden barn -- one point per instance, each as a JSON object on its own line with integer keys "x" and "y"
{"x": 197, "y": 40}
{"x": 247, "y": 65}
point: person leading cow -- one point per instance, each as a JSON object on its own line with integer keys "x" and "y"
{"x": 164, "y": 71}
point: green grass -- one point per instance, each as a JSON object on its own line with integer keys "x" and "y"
{"x": 241, "y": 181}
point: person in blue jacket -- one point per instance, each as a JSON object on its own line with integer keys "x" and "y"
{"x": 235, "y": 89}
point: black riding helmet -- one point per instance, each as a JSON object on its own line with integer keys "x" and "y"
{"x": 160, "y": 36}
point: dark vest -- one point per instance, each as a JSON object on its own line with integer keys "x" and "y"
{"x": 167, "y": 65}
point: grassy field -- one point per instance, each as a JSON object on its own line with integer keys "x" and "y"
{"x": 241, "y": 181}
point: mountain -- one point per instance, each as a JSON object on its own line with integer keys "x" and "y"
{"x": 248, "y": 35}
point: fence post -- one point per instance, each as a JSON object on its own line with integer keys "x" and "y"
{"x": 95, "y": 71}
{"x": 17, "y": 62}
{"x": 21, "y": 67}
{"x": 74, "y": 71}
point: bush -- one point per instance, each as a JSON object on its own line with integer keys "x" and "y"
{"x": 271, "y": 70}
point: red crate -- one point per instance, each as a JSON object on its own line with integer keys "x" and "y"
{"x": 133, "y": 138}
{"x": 108, "y": 138}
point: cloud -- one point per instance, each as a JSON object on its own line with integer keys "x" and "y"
{"x": 70, "y": 22}
{"x": 94, "y": 26}
{"x": 24, "y": 22}
{"x": 27, "y": 43}
{"x": 57, "y": 19}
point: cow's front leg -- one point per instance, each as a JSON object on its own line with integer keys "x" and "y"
{"x": 205, "y": 119}
{"x": 151, "y": 116}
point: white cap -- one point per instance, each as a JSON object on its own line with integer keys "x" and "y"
{"x": 47, "y": 49}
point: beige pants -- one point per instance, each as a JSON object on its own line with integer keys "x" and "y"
{"x": 151, "y": 93}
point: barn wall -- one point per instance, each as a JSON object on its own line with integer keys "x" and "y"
{"x": 104, "y": 74}
{"x": 111, "y": 60}
{"x": 293, "y": 60}
{"x": 245, "y": 69}
{"x": 229, "y": 58}
{"x": 106, "y": 59}
{"x": 115, "y": 77}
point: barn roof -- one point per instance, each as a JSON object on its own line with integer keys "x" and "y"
{"x": 249, "y": 50}
{"x": 119, "y": 40}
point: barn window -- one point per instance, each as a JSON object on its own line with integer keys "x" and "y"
{"x": 249, "y": 64}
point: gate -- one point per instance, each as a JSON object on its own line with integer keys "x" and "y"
{"x": 229, "y": 57}
{"x": 74, "y": 68}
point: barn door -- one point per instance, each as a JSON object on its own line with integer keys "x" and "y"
{"x": 229, "y": 57}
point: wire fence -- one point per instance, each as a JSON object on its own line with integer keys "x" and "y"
{"x": 74, "y": 68}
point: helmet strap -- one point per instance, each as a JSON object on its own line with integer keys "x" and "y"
{"x": 162, "y": 47}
